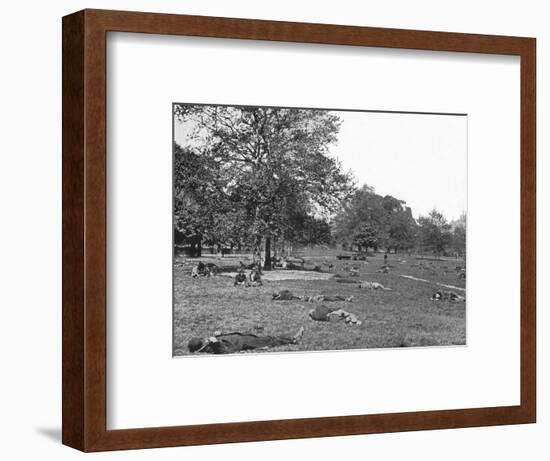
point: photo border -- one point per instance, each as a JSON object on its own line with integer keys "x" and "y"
{"x": 371, "y": 111}
{"x": 85, "y": 245}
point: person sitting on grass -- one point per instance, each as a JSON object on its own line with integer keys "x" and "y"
{"x": 447, "y": 296}
{"x": 236, "y": 342}
{"x": 255, "y": 278}
{"x": 330, "y": 314}
{"x": 240, "y": 279}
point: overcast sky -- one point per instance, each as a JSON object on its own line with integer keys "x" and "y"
{"x": 419, "y": 158}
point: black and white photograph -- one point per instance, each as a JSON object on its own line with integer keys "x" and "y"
{"x": 305, "y": 229}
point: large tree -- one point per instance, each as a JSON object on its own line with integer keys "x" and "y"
{"x": 272, "y": 164}
{"x": 371, "y": 220}
{"x": 435, "y": 233}
{"x": 366, "y": 237}
{"x": 195, "y": 187}
{"x": 364, "y": 208}
{"x": 402, "y": 230}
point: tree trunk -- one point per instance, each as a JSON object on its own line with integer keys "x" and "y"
{"x": 267, "y": 262}
{"x": 256, "y": 251}
{"x": 193, "y": 249}
{"x": 199, "y": 249}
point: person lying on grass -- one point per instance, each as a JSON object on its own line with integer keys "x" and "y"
{"x": 200, "y": 270}
{"x": 447, "y": 296}
{"x": 362, "y": 283}
{"x": 330, "y": 314}
{"x": 237, "y": 342}
{"x": 372, "y": 285}
{"x": 325, "y": 298}
{"x": 287, "y": 295}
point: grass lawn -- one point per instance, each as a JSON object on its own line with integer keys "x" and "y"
{"x": 402, "y": 317}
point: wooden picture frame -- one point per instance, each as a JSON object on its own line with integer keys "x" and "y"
{"x": 85, "y": 221}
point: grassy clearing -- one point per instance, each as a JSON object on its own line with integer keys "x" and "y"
{"x": 402, "y": 317}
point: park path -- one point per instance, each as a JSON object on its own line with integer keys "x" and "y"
{"x": 452, "y": 287}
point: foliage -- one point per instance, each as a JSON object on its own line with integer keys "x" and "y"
{"x": 366, "y": 237}
{"x": 459, "y": 235}
{"x": 270, "y": 166}
{"x": 435, "y": 232}
{"x": 371, "y": 220}
{"x": 253, "y": 177}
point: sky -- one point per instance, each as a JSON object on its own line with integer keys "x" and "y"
{"x": 418, "y": 158}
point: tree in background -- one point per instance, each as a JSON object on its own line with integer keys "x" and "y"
{"x": 402, "y": 231}
{"x": 272, "y": 163}
{"x": 459, "y": 235}
{"x": 197, "y": 198}
{"x": 434, "y": 232}
{"x": 370, "y": 220}
{"x": 364, "y": 207}
{"x": 366, "y": 237}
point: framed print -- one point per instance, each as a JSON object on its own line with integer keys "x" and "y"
{"x": 280, "y": 230}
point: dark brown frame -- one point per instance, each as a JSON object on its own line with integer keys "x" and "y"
{"x": 84, "y": 229}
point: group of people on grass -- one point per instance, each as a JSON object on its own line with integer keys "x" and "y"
{"x": 236, "y": 342}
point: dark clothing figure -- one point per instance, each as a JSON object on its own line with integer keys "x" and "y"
{"x": 326, "y": 298}
{"x": 237, "y": 342}
{"x": 287, "y": 295}
{"x": 212, "y": 268}
{"x": 447, "y": 296}
{"x": 201, "y": 270}
{"x": 240, "y": 279}
{"x": 320, "y": 313}
{"x": 284, "y": 295}
{"x": 255, "y": 277}
{"x": 329, "y": 314}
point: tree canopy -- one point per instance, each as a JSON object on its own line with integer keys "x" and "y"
{"x": 375, "y": 221}
{"x": 262, "y": 177}
{"x": 271, "y": 166}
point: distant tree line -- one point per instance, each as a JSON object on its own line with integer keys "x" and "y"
{"x": 262, "y": 179}
{"x": 371, "y": 221}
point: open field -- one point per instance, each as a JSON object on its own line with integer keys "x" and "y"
{"x": 402, "y": 317}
